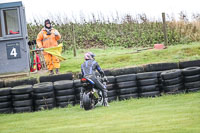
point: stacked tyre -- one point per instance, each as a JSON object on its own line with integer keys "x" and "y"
{"x": 127, "y": 86}
{"x": 78, "y": 87}
{"x": 44, "y": 96}
{"x": 192, "y": 78}
{"x": 13, "y": 83}
{"x": 1, "y": 83}
{"x": 64, "y": 93}
{"x": 5, "y": 100}
{"x": 172, "y": 81}
{"x": 160, "y": 86}
{"x": 111, "y": 89}
{"x": 22, "y": 98}
{"x": 148, "y": 84}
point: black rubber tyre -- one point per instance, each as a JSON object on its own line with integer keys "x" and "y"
{"x": 23, "y": 109}
{"x": 190, "y": 85}
{"x": 174, "y": 81}
{"x": 23, "y": 103}
{"x": 160, "y": 80}
{"x": 146, "y": 82}
{"x": 54, "y": 78}
{"x": 160, "y": 67}
{"x": 111, "y": 93}
{"x": 5, "y": 91}
{"x": 125, "y": 71}
{"x": 177, "y": 92}
{"x": 77, "y": 96}
{"x": 190, "y": 71}
{"x": 185, "y": 64}
{"x": 5, "y": 104}
{"x": 44, "y": 95}
{"x": 5, "y": 110}
{"x": 193, "y": 90}
{"x": 44, "y": 107}
{"x": 111, "y": 87}
{"x": 113, "y": 98}
{"x": 77, "y": 83}
{"x": 107, "y": 72}
{"x": 171, "y": 74}
{"x": 173, "y": 88}
{"x": 65, "y": 92}
{"x": 127, "y": 84}
{"x": 13, "y": 83}
{"x": 87, "y": 103}
{"x": 5, "y": 98}
{"x": 148, "y": 88}
{"x": 191, "y": 78}
{"x": 128, "y": 90}
{"x": 150, "y": 94}
{"x": 1, "y": 83}
{"x": 43, "y": 87}
{"x": 21, "y": 97}
{"x": 65, "y": 98}
{"x": 64, "y": 104}
{"x": 147, "y": 75}
{"x": 22, "y": 89}
{"x": 63, "y": 84}
{"x": 160, "y": 86}
{"x": 78, "y": 90}
{"x": 124, "y": 78}
{"x": 111, "y": 79}
{"x": 159, "y": 73}
{"x": 44, "y": 101}
{"x": 128, "y": 96}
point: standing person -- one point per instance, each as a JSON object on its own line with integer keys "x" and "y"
{"x": 88, "y": 69}
{"x": 48, "y": 38}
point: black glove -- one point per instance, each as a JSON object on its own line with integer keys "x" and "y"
{"x": 105, "y": 79}
{"x": 102, "y": 74}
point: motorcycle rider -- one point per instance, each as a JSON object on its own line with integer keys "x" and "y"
{"x": 88, "y": 69}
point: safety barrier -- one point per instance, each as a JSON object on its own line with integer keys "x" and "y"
{"x": 60, "y": 92}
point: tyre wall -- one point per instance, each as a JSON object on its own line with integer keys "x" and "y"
{"x": 150, "y": 80}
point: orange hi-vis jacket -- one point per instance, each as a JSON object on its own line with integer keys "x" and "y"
{"x": 48, "y": 41}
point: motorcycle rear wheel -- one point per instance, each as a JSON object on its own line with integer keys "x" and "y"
{"x": 87, "y": 101}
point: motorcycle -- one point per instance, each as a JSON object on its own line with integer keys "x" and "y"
{"x": 91, "y": 96}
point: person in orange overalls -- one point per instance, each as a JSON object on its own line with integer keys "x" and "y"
{"x": 47, "y": 38}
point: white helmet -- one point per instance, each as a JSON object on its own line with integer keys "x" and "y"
{"x": 87, "y": 56}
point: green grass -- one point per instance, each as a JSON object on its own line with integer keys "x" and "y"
{"x": 117, "y": 57}
{"x": 166, "y": 114}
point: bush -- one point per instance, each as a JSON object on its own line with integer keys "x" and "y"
{"x": 127, "y": 32}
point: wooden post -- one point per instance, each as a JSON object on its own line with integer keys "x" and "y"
{"x": 74, "y": 40}
{"x": 164, "y": 29}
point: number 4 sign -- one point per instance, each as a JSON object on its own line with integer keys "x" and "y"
{"x": 13, "y": 50}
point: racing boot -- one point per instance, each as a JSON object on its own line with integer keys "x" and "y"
{"x": 81, "y": 99}
{"x": 106, "y": 102}
{"x": 51, "y": 72}
{"x": 81, "y": 104}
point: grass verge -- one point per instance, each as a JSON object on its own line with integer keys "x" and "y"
{"x": 166, "y": 114}
{"x": 117, "y": 57}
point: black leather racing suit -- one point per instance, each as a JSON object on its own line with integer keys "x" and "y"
{"x": 88, "y": 69}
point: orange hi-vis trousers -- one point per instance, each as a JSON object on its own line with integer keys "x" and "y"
{"x": 51, "y": 61}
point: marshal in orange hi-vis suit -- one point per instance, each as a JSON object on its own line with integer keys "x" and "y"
{"x": 48, "y": 38}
